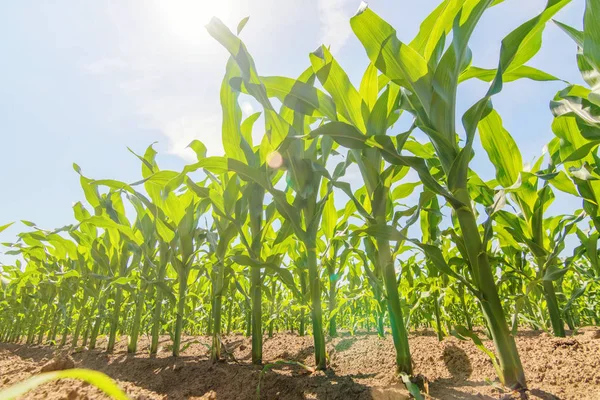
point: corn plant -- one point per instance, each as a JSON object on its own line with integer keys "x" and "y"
{"x": 255, "y": 241}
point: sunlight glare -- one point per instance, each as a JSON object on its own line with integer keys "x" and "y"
{"x": 186, "y": 18}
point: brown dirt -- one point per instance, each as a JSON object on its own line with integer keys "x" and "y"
{"x": 362, "y": 367}
{"x": 59, "y": 363}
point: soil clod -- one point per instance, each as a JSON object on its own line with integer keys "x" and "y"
{"x": 59, "y": 363}
{"x": 362, "y": 367}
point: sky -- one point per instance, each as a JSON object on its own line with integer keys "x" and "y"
{"x": 83, "y": 81}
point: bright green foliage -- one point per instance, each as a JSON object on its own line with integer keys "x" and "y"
{"x": 257, "y": 240}
{"x": 95, "y": 378}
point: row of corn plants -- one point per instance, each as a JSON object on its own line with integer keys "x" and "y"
{"x": 272, "y": 236}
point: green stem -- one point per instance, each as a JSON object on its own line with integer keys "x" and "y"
{"x": 272, "y": 307}
{"x": 82, "y": 316}
{"x": 229, "y": 316}
{"x": 569, "y": 320}
{"x": 256, "y": 194}
{"x": 114, "y": 321}
{"x": 511, "y": 369}
{"x": 183, "y": 277}
{"x": 256, "y": 298}
{"x": 399, "y": 333}
{"x": 332, "y": 301}
{"x": 558, "y": 325}
{"x": 217, "y": 305}
{"x": 381, "y": 317}
{"x": 438, "y": 323}
{"x": 303, "y": 290}
{"x": 86, "y": 333}
{"x": 367, "y": 313}
{"x": 97, "y": 322}
{"x": 162, "y": 270}
{"x": 67, "y": 325}
{"x": 316, "y": 312}
{"x": 463, "y": 303}
{"x": 139, "y": 306}
{"x": 53, "y": 326}
{"x": 210, "y": 317}
{"x": 249, "y": 322}
{"x": 32, "y": 325}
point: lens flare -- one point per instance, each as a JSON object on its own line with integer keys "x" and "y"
{"x": 275, "y": 160}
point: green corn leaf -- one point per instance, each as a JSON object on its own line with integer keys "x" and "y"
{"x": 329, "y": 217}
{"x": 299, "y": 96}
{"x": 445, "y": 80}
{"x": 523, "y": 71}
{"x": 554, "y": 273}
{"x": 276, "y": 127}
{"x": 565, "y": 127}
{"x": 4, "y": 227}
{"x": 575, "y": 34}
{"x": 591, "y": 33}
{"x": 334, "y": 79}
{"x": 433, "y": 253}
{"x": 242, "y": 24}
{"x": 575, "y": 294}
{"x": 369, "y": 86}
{"x": 517, "y": 47}
{"x": 382, "y": 114}
{"x": 582, "y": 152}
{"x": 462, "y": 332}
{"x": 404, "y": 190}
{"x": 562, "y": 182}
{"x": 286, "y": 276}
{"x": 148, "y": 161}
{"x": 343, "y": 133}
{"x": 91, "y": 192}
{"x": 247, "y": 127}
{"x": 587, "y": 121}
{"x": 437, "y": 25}
{"x": 400, "y": 62}
{"x": 105, "y": 222}
{"x": 199, "y": 148}
{"x": 283, "y": 206}
{"x": 348, "y": 136}
{"x": 412, "y": 388}
{"x": 217, "y": 165}
{"x": 231, "y": 134}
{"x": 501, "y": 149}
{"x": 531, "y": 42}
{"x": 98, "y": 379}
{"x": 345, "y": 187}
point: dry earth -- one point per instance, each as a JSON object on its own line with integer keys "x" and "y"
{"x": 362, "y": 367}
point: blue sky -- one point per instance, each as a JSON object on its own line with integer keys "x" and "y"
{"x": 82, "y": 81}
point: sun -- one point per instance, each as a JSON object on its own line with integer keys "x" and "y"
{"x": 186, "y": 19}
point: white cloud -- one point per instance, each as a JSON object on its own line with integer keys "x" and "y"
{"x": 335, "y": 22}
{"x": 105, "y": 65}
{"x": 168, "y": 99}
{"x": 182, "y": 131}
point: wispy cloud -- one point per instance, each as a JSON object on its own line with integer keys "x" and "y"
{"x": 335, "y": 22}
{"x": 167, "y": 100}
{"x": 182, "y": 131}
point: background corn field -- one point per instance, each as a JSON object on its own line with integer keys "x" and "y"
{"x": 255, "y": 241}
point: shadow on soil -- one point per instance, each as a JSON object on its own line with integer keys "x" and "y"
{"x": 447, "y": 389}
{"x": 196, "y": 376}
{"x": 457, "y": 362}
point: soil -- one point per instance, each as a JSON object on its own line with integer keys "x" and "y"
{"x": 362, "y": 367}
